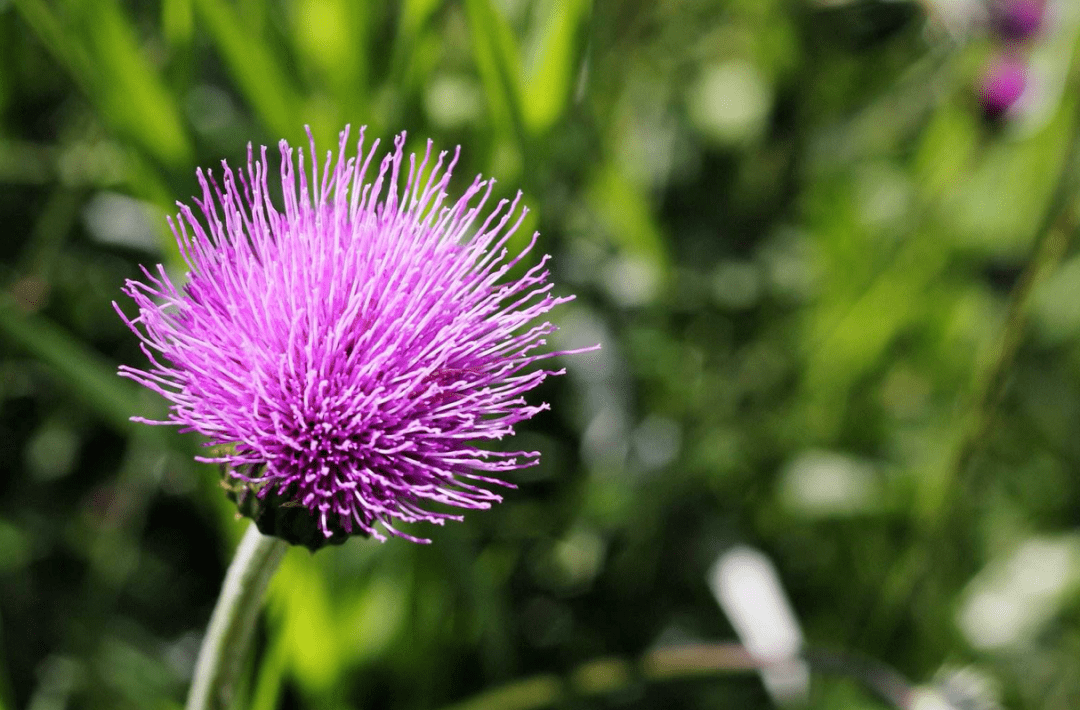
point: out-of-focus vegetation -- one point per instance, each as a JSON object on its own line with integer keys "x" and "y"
{"x": 840, "y": 311}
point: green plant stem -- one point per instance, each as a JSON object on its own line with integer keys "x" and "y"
{"x": 940, "y": 505}
{"x": 229, "y": 633}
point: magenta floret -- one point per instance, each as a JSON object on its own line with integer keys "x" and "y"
{"x": 350, "y": 351}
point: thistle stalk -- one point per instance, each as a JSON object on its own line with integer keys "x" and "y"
{"x": 228, "y": 636}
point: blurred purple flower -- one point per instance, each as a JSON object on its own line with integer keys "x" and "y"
{"x": 350, "y": 350}
{"x": 1003, "y": 84}
{"x": 1018, "y": 19}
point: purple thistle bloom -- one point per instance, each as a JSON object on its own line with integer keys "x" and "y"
{"x": 1018, "y": 19}
{"x": 349, "y": 350}
{"x": 1003, "y": 84}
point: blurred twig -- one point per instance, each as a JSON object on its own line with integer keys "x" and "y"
{"x": 6, "y": 698}
{"x": 608, "y": 675}
{"x": 1048, "y": 255}
{"x": 1052, "y": 242}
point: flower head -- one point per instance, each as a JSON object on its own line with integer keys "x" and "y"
{"x": 1018, "y": 19}
{"x": 1003, "y": 85}
{"x": 347, "y": 354}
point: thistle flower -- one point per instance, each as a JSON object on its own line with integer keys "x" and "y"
{"x": 1018, "y": 19}
{"x": 347, "y": 355}
{"x": 1003, "y": 85}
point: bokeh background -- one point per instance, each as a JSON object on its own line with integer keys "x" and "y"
{"x": 827, "y": 247}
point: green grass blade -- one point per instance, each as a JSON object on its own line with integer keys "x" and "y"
{"x": 99, "y": 48}
{"x": 624, "y": 208}
{"x": 266, "y": 694}
{"x": 498, "y": 63}
{"x": 415, "y": 14}
{"x": 253, "y": 66}
{"x": 558, "y": 50}
{"x": 178, "y": 22}
{"x": 51, "y": 31}
{"x": 83, "y": 370}
{"x": 331, "y": 38}
{"x": 133, "y": 93}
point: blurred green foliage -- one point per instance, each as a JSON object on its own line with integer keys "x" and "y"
{"x": 838, "y": 309}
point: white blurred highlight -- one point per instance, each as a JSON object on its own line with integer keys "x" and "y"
{"x": 1016, "y": 597}
{"x": 748, "y": 589}
{"x": 926, "y": 699}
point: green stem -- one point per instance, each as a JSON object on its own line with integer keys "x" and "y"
{"x": 229, "y": 634}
